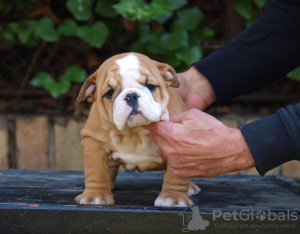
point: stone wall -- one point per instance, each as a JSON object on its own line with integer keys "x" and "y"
{"x": 41, "y": 142}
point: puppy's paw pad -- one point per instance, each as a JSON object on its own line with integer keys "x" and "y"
{"x": 193, "y": 189}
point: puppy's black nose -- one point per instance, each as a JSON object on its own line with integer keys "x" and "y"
{"x": 132, "y": 100}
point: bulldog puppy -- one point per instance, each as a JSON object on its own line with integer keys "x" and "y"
{"x": 129, "y": 91}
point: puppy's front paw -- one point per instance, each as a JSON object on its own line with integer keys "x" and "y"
{"x": 173, "y": 200}
{"x": 95, "y": 197}
{"x": 193, "y": 189}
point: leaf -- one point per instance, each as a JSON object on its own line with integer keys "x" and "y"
{"x": 44, "y": 80}
{"x": 177, "y": 38}
{"x": 190, "y": 55}
{"x": 69, "y": 28}
{"x": 41, "y": 79}
{"x": 75, "y": 74}
{"x": 8, "y": 35}
{"x": 129, "y": 8}
{"x": 244, "y": 8}
{"x": 14, "y": 27}
{"x": 163, "y": 18}
{"x": 104, "y": 8}
{"x": 261, "y": 3}
{"x": 81, "y": 9}
{"x": 58, "y": 88}
{"x": 178, "y": 3}
{"x": 26, "y": 30}
{"x": 294, "y": 74}
{"x": 46, "y": 31}
{"x": 207, "y": 32}
{"x": 95, "y": 35}
{"x": 255, "y": 15}
{"x": 191, "y": 17}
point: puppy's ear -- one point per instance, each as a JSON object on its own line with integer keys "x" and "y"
{"x": 169, "y": 74}
{"x": 88, "y": 89}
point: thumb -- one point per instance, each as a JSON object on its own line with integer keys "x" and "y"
{"x": 161, "y": 128}
{"x": 187, "y": 115}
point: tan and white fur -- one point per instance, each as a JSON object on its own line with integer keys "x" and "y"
{"x": 129, "y": 91}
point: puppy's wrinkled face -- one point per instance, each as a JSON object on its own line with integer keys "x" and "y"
{"x": 130, "y": 90}
{"x": 133, "y": 93}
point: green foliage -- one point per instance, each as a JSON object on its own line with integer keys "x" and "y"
{"x": 168, "y": 29}
{"x": 95, "y": 35}
{"x": 294, "y": 74}
{"x": 44, "y": 80}
{"x": 178, "y": 38}
{"x": 81, "y": 9}
{"x": 180, "y": 43}
{"x": 46, "y": 31}
{"x": 250, "y": 9}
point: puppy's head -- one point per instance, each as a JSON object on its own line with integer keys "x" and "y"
{"x": 130, "y": 90}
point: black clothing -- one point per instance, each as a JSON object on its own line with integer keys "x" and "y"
{"x": 266, "y": 51}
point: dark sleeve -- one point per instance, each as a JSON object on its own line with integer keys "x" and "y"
{"x": 275, "y": 139}
{"x": 266, "y": 51}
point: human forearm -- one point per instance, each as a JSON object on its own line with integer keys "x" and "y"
{"x": 275, "y": 139}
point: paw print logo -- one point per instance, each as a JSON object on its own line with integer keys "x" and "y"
{"x": 261, "y": 215}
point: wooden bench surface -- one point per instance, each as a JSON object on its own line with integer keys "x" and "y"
{"x": 43, "y": 202}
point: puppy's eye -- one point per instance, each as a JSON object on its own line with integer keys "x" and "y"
{"x": 109, "y": 94}
{"x": 151, "y": 87}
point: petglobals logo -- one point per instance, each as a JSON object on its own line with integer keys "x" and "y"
{"x": 245, "y": 219}
{"x": 251, "y": 215}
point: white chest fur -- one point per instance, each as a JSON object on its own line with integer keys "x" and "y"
{"x": 136, "y": 150}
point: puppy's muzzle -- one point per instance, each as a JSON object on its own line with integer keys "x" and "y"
{"x": 132, "y": 100}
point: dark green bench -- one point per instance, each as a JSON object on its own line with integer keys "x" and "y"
{"x": 43, "y": 202}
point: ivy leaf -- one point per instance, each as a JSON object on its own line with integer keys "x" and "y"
{"x": 261, "y": 3}
{"x": 57, "y": 88}
{"x": 191, "y": 17}
{"x": 190, "y": 55}
{"x": 129, "y": 9}
{"x": 252, "y": 19}
{"x": 177, "y": 38}
{"x": 45, "y": 30}
{"x": 8, "y": 35}
{"x": 69, "y": 28}
{"x": 207, "y": 32}
{"x": 41, "y": 79}
{"x": 178, "y": 3}
{"x": 75, "y": 74}
{"x": 26, "y": 30}
{"x": 14, "y": 27}
{"x": 81, "y": 9}
{"x": 163, "y": 18}
{"x": 294, "y": 74}
{"x": 44, "y": 80}
{"x": 244, "y": 8}
{"x": 104, "y": 8}
{"x": 95, "y": 35}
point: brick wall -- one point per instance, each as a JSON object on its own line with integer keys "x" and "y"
{"x": 53, "y": 143}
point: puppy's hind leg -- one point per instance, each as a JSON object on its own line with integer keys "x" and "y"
{"x": 113, "y": 168}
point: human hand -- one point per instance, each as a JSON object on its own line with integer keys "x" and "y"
{"x": 195, "y": 89}
{"x": 197, "y": 144}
